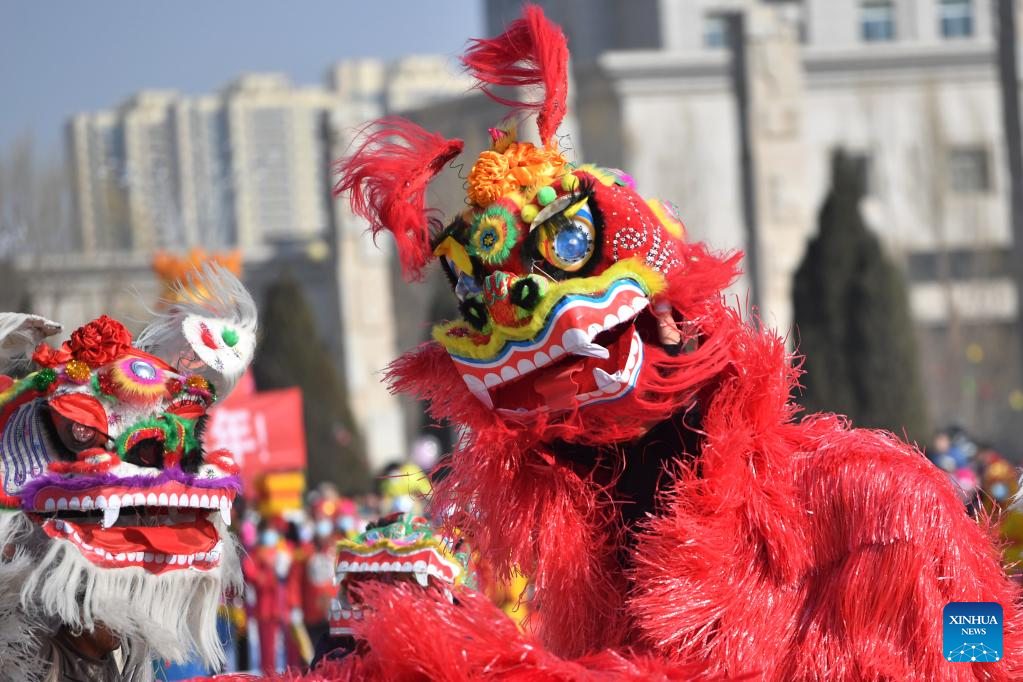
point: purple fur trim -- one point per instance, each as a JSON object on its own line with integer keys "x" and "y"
{"x": 139, "y": 482}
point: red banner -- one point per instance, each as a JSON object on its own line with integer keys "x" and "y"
{"x": 264, "y": 431}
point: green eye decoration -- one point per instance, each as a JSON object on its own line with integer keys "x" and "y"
{"x": 229, "y": 336}
{"x": 494, "y": 233}
{"x": 527, "y": 292}
{"x": 474, "y": 312}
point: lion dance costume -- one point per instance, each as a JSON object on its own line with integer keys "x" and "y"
{"x": 115, "y": 516}
{"x": 631, "y": 445}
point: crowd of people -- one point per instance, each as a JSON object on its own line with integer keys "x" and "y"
{"x": 987, "y": 483}
{"x": 288, "y": 563}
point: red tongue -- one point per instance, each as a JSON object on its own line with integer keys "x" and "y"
{"x": 558, "y": 388}
{"x": 186, "y": 538}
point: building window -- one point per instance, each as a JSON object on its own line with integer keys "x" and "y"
{"x": 715, "y": 31}
{"x": 877, "y": 20}
{"x": 968, "y": 170}
{"x": 956, "y": 18}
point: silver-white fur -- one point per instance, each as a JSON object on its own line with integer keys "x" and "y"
{"x": 20, "y": 333}
{"x": 214, "y": 292}
{"x": 46, "y": 583}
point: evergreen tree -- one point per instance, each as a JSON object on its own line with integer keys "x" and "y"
{"x": 291, "y": 354}
{"x": 852, "y": 319}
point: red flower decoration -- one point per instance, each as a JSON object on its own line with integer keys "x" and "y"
{"x": 99, "y": 342}
{"x": 47, "y": 356}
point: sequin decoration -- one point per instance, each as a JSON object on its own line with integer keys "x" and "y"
{"x": 77, "y": 371}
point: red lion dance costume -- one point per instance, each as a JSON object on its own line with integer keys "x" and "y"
{"x": 630, "y": 443}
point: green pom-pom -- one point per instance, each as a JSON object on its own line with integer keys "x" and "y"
{"x": 546, "y": 195}
{"x": 230, "y": 336}
{"x": 42, "y": 379}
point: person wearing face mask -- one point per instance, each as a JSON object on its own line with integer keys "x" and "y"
{"x": 262, "y": 569}
{"x": 318, "y": 580}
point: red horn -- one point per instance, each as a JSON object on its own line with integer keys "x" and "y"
{"x": 533, "y": 51}
{"x": 386, "y": 180}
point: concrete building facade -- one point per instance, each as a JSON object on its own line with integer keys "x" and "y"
{"x": 249, "y": 167}
{"x": 909, "y": 87}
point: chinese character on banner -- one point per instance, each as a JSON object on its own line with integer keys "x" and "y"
{"x": 263, "y": 430}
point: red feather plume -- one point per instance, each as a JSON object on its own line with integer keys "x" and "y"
{"x": 533, "y": 51}
{"x": 386, "y": 180}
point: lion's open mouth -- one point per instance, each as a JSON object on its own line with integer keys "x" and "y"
{"x": 167, "y": 526}
{"x": 589, "y": 351}
{"x": 164, "y": 541}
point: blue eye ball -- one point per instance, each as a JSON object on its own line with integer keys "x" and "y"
{"x": 572, "y": 244}
{"x": 143, "y": 370}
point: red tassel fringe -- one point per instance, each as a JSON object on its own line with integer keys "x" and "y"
{"x": 386, "y": 179}
{"x": 533, "y": 51}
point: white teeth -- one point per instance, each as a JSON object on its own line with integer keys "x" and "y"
{"x": 607, "y": 382}
{"x": 577, "y": 342}
{"x": 62, "y": 503}
{"x": 148, "y": 556}
{"x": 556, "y": 352}
{"x": 162, "y": 500}
{"x": 225, "y": 511}
{"x": 87, "y": 503}
{"x": 160, "y": 558}
{"x": 508, "y": 373}
{"x": 193, "y": 501}
{"x": 592, "y": 350}
{"x": 139, "y": 500}
{"x": 639, "y": 303}
{"x": 610, "y": 321}
{"x": 204, "y": 501}
{"x": 491, "y": 380}
{"x": 625, "y": 312}
{"x": 173, "y": 502}
{"x": 541, "y": 359}
{"x": 127, "y": 500}
{"x": 594, "y": 329}
{"x": 215, "y": 502}
{"x": 574, "y": 338}
{"x": 120, "y": 557}
{"x": 200, "y": 556}
{"x": 101, "y": 502}
{"x": 75, "y": 503}
{"x": 51, "y": 505}
{"x": 525, "y": 366}
{"x": 478, "y": 389}
{"x": 151, "y": 499}
{"x": 422, "y": 579}
{"x": 110, "y": 515}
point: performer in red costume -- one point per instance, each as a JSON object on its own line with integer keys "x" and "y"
{"x": 631, "y": 443}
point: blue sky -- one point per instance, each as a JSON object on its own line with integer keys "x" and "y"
{"x": 57, "y": 58}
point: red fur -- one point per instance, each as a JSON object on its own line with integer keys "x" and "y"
{"x": 533, "y": 51}
{"x": 777, "y": 548}
{"x": 792, "y": 550}
{"x": 386, "y": 179}
{"x": 417, "y": 635}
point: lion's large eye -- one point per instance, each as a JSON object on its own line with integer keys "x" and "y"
{"x": 568, "y": 239}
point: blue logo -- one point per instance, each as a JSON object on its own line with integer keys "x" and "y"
{"x": 972, "y": 631}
